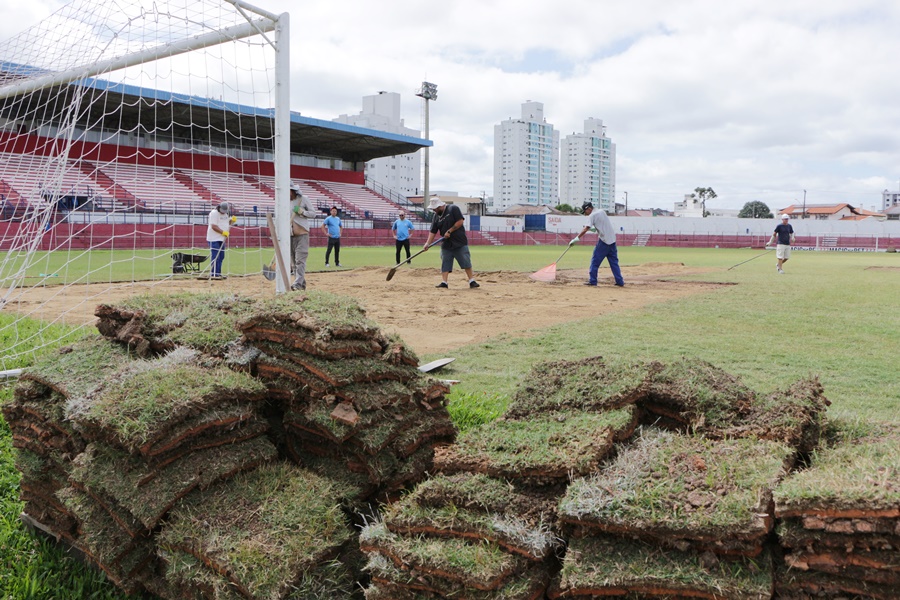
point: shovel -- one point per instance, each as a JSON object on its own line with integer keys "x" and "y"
{"x": 269, "y": 270}
{"x": 548, "y": 273}
{"x": 394, "y": 270}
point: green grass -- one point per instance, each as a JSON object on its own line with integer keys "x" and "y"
{"x": 833, "y": 315}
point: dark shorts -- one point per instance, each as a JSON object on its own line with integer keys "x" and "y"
{"x": 461, "y": 255}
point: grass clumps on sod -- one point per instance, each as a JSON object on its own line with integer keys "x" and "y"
{"x": 263, "y": 534}
{"x": 141, "y": 405}
{"x": 684, "y": 492}
{"x": 619, "y": 567}
{"x": 546, "y": 449}
{"x": 476, "y": 565}
{"x": 591, "y": 384}
{"x": 477, "y": 507}
{"x": 153, "y": 324}
{"x": 695, "y": 395}
{"x": 390, "y": 582}
{"x": 857, "y": 469}
{"x": 77, "y": 371}
{"x": 840, "y": 517}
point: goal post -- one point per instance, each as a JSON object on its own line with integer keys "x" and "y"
{"x": 123, "y": 123}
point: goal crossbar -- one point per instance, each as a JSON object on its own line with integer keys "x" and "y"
{"x": 213, "y": 38}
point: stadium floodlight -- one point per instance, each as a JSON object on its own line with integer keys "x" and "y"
{"x": 427, "y": 92}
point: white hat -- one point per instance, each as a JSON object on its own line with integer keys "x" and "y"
{"x": 785, "y": 216}
{"x": 295, "y": 188}
{"x": 435, "y": 202}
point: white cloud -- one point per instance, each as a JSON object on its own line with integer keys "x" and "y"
{"x": 759, "y": 100}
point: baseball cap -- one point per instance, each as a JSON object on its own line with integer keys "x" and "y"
{"x": 224, "y": 207}
{"x": 295, "y": 188}
{"x": 785, "y": 216}
{"x": 435, "y": 202}
{"x": 586, "y": 206}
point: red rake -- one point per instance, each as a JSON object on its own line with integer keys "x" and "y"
{"x": 548, "y": 273}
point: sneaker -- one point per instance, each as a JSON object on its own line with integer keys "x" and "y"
{"x": 298, "y": 287}
{"x": 442, "y": 284}
{"x": 327, "y": 265}
{"x": 620, "y": 285}
{"x": 473, "y": 284}
{"x": 590, "y": 284}
{"x": 339, "y": 265}
{"x": 780, "y": 270}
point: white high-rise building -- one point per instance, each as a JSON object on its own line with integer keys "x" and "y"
{"x": 588, "y": 168}
{"x": 402, "y": 173}
{"x": 526, "y": 160}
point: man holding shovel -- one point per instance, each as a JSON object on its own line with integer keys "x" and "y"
{"x": 606, "y": 244}
{"x": 448, "y": 222}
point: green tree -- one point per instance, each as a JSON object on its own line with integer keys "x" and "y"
{"x": 567, "y": 208}
{"x": 703, "y": 194}
{"x": 755, "y": 210}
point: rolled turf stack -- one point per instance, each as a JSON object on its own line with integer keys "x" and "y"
{"x": 127, "y": 439}
{"x": 353, "y": 399}
{"x": 840, "y": 518}
{"x": 687, "y": 512}
{"x": 485, "y": 526}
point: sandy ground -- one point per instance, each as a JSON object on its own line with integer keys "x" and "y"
{"x": 430, "y": 320}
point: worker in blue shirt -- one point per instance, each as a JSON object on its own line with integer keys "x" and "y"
{"x": 332, "y": 227}
{"x": 402, "y": 229}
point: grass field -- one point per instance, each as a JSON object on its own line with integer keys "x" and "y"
{"x": 833, "y": 315}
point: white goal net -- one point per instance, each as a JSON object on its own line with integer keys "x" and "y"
{"x": 122, "y": 125}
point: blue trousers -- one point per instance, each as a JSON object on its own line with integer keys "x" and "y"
{"x": 217, "y": 255}
{"x": 609, "y": 252}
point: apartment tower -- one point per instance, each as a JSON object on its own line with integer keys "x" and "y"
{"x": 588, "y": 168}
{"x": 526, "y": 160}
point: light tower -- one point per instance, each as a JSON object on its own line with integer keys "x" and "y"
{"x": 428, "y": 91}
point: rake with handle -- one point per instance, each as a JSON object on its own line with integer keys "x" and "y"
{"x": 390, "y": 274}
{"x": 548, "y": 273}
{"x": 749, "y": 259}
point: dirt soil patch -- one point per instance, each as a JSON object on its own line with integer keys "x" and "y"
{"x": 506, "y": 303}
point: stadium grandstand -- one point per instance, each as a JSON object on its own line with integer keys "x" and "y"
{"x": 109, "y": 190}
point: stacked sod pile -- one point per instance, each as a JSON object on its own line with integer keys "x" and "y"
{"x": 840, "y": 518}
{"x": 154, "y": 450}
{"x": 485, "y": 526}
{"x": 139, "y": 436}
{"x": 353, "y": 401}
{"x": 686, "y": 512}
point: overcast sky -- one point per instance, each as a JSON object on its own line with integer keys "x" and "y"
{"x": 758, "y": 99}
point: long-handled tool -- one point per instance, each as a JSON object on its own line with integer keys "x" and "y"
{"x": 749, "y": 259}
{"x": 548, "y": 273}
{"x": 278, "y": 258}
{"x": 269, "y": 270}
{"x": 390, "y": 274}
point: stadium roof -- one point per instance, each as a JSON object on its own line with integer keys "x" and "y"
{"x": 126, "y": 107}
